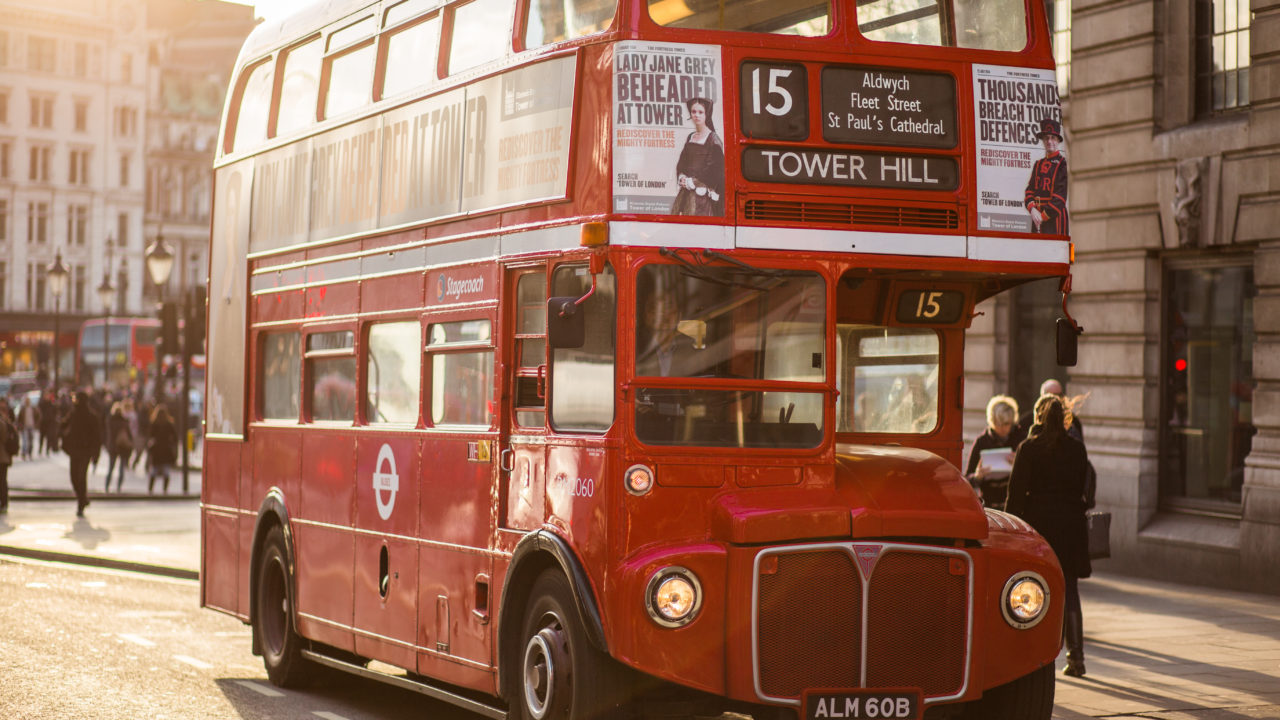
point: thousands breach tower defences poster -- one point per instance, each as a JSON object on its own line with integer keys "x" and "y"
{"x": 668, "y": 119}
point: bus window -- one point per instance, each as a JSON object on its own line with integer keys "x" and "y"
{"x": 552, "y": 21}
{"x": 248, "y": 124}
{"x": 582, "y": 379}
{"x": 299, "y": 84}
{"x": 979, "y": 24}
{"x": 348, "y": 77}
{"x": 461, "y": 377}
{"x": 805, "y": 18}
{"x": 394, "y": 373}
{"x": 411, "y": 56}
{"x": 481, "y": 32}
{"x": 281, "y": 375}
{"x": 531, "y": 349}
{"x": 887, "y": 378}
{"x": 331, "y": 372}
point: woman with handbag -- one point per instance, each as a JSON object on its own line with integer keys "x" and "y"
{"x": 1047, "y": 489}
{"x": 121, "y": 444}
{"x": 162, "y": 451}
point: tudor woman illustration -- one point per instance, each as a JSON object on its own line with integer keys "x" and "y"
{"x": 700, "y": 170}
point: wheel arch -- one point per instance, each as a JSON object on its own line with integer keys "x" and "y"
{"x": 535, "y": 553}
{"x": 273, "y": 512}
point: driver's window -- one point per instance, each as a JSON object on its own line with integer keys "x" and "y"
{"x": 888, "y": 379}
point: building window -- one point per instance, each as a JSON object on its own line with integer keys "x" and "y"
{"x": 126, "y": 121}
{"x": 41, "y": 111}
{"x": 82, "y": 115}
{"x": 1060, "y": 26}
{"x": 124, "y": 170}
{"x": 37, "y": 222}
{"x": 4, "y": 220}
{"x": 42, "y": 54}
{"x": 4, "y": 48}
{"x": 1222, "y": 55}
{"x": 38, "y": 170}
{"x": 126, "y": 68}
{"x": 122, "y": 230}
{"x": 5, "y": 152}
{"x": 41, "y": 284}
{"x": 4, "y": 107}
{"x": 4, "y": 284}
{"x": 82, "y": 60}
{"x": 78, "y": 167}
{"x": 79, "y": 288}
{"x": 77, "y": 224}
{"x": 1207, "y": 404}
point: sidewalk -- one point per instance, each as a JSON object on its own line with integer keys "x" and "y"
{"x": 129, "y": 530}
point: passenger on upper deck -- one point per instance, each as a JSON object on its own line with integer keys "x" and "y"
{"x": 700, "y": 169}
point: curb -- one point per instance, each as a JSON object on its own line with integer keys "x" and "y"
{"x": 23, "y": 494}
{"x": 101, "y": 562}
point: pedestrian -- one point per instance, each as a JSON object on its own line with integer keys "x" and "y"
{"x": 1053, "y": 386}
{"x": 8, "y": 447}
{"x": 1047, "y": 489}
{"x": 143, "y": 433}
{"x": 28, "y": 424}
{"x": 48, "y": 424}
{"x": 991, "y": 479}
{"x": 120, "y": 448}
{"x": 162, "y": 449}
{"x": 82, "y": 440}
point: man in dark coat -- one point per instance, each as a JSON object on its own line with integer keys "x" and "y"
{"x": 1047, "y": 489}
{"x": 1046, "y": 194}
{"x": 82, "y": 440}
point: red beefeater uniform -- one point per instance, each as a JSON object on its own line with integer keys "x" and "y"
{"x": 1047, "y": 192}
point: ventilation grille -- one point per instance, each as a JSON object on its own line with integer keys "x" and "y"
{"x": 807, "y": 212}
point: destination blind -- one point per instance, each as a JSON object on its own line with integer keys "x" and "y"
{"x": 879, "y": 106}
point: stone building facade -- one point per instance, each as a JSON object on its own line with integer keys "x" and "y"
{"x": 1173, "y": 138}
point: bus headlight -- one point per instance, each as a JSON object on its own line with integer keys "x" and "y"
{"x": 639, "y": 479}
{"x": 673, "y": 597}
{"x": 1024, "y": 600}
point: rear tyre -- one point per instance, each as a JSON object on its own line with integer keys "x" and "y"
{"x": 1030, "y": 697}
{"x": 281, "y": 646}
{"x": 559, "y": 675}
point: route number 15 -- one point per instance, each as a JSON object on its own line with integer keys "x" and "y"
{"x": 930, "y": 307}
{"x": 776, "y": 105}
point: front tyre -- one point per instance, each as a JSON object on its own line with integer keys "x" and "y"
{"x": 1030, "y": 697}
{"x": 559, "y": 675}
{"x": 281, "y": 646}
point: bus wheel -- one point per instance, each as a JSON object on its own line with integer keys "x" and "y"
{"x": 1030, "y": 697}
{"x": 281, "y": 646}
{"x": 560, "y": 674}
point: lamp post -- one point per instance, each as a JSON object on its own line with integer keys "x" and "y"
{"x": 159, "y": 265}
{"x": 57, "y": 274}
{"x": 106, "y": 294}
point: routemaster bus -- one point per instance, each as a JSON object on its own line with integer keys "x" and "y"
{"x": 587, "y": 358}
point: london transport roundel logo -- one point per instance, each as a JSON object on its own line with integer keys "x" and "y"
{"x": 385, "y": 480}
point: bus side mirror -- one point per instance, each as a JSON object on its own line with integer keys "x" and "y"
{"x": 1068, "y": 342}
{"x": 566, "y": 323}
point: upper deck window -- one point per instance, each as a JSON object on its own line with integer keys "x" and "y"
{"x": 247, "y": 124}
{"x": 299, "y": 84}
{"x": 411, "y": 55}
{"x": 805, "y": 18}
{"x": 349, "y": 68}
{"x": 553, "y": 21}
{"x": 481, "y": 32}
{"x": 975, "y": 24}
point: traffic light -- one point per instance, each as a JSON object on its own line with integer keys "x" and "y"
{"x": 169, "y": 329}
{"x": 194, "y": 335}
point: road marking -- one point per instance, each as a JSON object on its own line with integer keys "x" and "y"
{"x": 193, "y": 662}
{"x": 260, "y": 688}
{"x": 328, "y": 715}
{"x": 38, "y": 585}
{"x": 136, "y": 639}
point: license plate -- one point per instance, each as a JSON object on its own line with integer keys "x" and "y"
{"x": 900, "y": 704}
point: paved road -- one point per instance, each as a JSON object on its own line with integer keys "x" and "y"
{"x": 1154, "y": 650}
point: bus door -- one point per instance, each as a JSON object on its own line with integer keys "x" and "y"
{"x": 522, "y": 457}
{"x": 456, "y": 487}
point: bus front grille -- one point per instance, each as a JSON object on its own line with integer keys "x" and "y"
{"x": 810, "y": 628}
{"x": 810, "y": 212}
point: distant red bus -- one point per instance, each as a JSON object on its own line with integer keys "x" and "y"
{"x": 575, "y": 356}
{"x": 130, "y": 345}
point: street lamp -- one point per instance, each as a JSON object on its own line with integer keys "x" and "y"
{"x": 57, "y": 274}
{"x": 159, "y": 264}
{"x": 107, "y": 293}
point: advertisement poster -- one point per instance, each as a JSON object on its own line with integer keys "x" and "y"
{"x": 1022, "y": 167}
{"x": 668, "y": 150}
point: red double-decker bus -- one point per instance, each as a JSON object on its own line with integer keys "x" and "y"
{"x": 573, "y": 357}
{"x": 130, "y": 348}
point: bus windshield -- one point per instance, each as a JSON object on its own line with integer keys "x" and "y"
{"x": 695, "y": 321}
